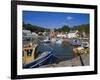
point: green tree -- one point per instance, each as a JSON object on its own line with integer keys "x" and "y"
{"x": 34, "y": 28}
{"x": 82, "y": 28}
{"x": 65, "y": 28}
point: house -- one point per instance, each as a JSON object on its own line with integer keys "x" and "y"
{"x": 34, "y": 35}
{"x": 28, "y": 35}
{"x": 61, "y": 35}
{"x": 25, "y": 32}
{"x": 73, "y": 34}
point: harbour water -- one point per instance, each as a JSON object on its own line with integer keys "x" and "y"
{"x": 62, "y": 51}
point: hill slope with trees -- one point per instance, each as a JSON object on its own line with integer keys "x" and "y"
{"x": 65, "y": 28}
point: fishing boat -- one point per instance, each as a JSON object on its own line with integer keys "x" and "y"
{"x": 45, "y": 58}
{"x": 29, "y": 53}
{"x": 84, "y": 48}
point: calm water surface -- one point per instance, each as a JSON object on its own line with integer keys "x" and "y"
{"x": 62, "y": 51}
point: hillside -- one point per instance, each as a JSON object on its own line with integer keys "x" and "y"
{"x": 82, "y": 28}
{"x": 34, "y": 28}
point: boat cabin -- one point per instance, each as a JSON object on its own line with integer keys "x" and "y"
{"x": 28, "y": 53}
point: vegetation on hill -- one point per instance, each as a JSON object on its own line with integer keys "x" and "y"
{"x": 65, "y": 28}
{"x": 34, "y": 28}
{"x": 82, "y": 28}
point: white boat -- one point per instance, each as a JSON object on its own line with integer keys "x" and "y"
{"x": 59, "y": 41}
{"x": 47, "y": 40}
{"x": 85, "y": 44}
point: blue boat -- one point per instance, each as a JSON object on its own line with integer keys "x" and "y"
{"x": 76, "y": 42}
{"x": 45, "y": 58}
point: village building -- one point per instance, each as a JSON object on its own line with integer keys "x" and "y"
{"x": 73, "y": 34}
{"x": 28, "y": 35}
{"x": 61, "y": 35}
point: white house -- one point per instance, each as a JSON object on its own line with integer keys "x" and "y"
{"x": 27, "y": 35}
{"x": 25, "y": 32}
{"x": 73, "y": 34}
{"x": 34, "y": 35}
{"x": 61, "y": 36}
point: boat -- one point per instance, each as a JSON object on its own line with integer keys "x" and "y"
{"x": 28, "y": 53}
{"x": 59, "y": 41}
{"x": 85, "y": 44}
{"x": 47, "y": 40}
{"x": 75, "y": 42}
{"x": 45, "y": 58}
{"x": 84, "y": 48}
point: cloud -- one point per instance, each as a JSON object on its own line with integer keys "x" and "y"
{"x": 69, "y": 18}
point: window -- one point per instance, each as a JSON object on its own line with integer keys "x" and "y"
{"x": 29, "y": 52}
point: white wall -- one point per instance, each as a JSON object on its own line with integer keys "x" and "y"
{"x": 72, "y": 35}
{"x": 5, "y": 29}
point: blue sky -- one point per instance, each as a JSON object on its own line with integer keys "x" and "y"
{"x": 54, "y": 19}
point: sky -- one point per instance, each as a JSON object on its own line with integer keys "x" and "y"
{"x": 54, "y": 19}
